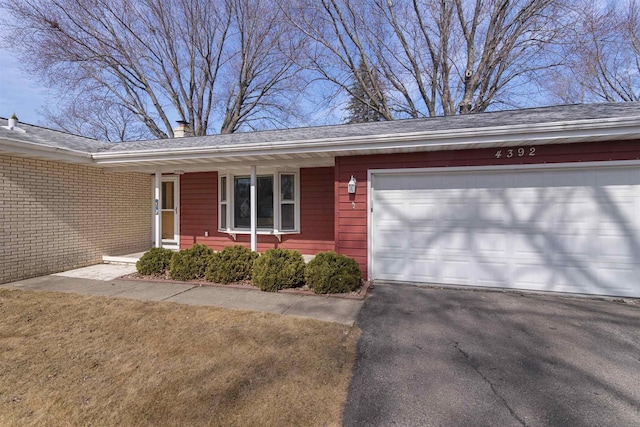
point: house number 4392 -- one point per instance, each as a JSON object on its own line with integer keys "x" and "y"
{"x": 516, "y": 152}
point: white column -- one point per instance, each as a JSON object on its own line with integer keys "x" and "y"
{"x": 254, "y": 204}
{"x": 157, "y": 211}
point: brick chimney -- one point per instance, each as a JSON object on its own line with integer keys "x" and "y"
{"x": 182, "y": 129}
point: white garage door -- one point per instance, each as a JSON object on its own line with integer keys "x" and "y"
{"x": 564, "y": 230}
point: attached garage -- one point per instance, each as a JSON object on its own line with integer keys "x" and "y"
{"x": 563, "y": 228}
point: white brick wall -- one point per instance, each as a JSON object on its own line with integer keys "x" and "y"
{"x": 56, "y": 216}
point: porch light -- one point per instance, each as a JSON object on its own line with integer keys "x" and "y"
{"x": 351, "y": 186}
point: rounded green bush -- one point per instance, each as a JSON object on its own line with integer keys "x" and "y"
{"x": 154, "y": 262}
{"x": 278, "y": 269}
{"x": 190, "y": 264}
{"x": 330, "y": 273}
{"x": 232, "y": 264}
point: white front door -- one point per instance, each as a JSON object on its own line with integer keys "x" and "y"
{"x": 170, "y": 207}
{"x": 546, "y": 229}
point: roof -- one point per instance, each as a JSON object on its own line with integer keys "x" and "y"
{"x": 41, "y": 142}
{"x": 53, "y": 138}
{"x": 318, "y": 146}
{"x": 478, "y": 121}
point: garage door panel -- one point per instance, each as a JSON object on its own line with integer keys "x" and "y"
{"x": 458, "y": 211}
{"x": 453, "y": 270}
{"x": 424, "y": 242}
{"x": 390, "y": 266}
{"x": 421, "y": 210}
{"x": 454, "y": 243}
{"x": 492, "y": 244}
{"x": 390, "y": 238}
{"x": 616, "y": 212}
{"x": 492, "y": 273}
{"x": 571, "y": 230}
{"x": 424, "y": 268}
{"x": 568, "y": 245}
{"x": 539, "y": 212}
{"x": 610, "y": 248}
{"x": 531, "y": 276}
{"x": 391, "y": 213}
{"x": 616, "y": 277}
{"x": 490, "y": 211}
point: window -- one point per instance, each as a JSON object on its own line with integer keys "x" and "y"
{"x": 241, "y": 202}
{"x": 287, "y": 202}
{"x": 265, "y": 202}
{"x": 276, "y": 203}
{"x": 223, "y": 203}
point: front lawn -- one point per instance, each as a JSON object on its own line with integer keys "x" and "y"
{"x": 76, "y": 360}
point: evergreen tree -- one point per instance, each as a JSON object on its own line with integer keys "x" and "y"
{"x": 367, "y": 99}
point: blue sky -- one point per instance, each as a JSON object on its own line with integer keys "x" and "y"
{"x": 19, "y": 92}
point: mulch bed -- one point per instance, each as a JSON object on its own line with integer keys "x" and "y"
{"x": 358, "y": 294}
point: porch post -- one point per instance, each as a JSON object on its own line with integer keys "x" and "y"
{"x": 157, "y": 211}
{"x": 254, "y": 204}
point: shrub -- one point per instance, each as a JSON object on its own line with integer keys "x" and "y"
{"x": 190, "y": 264}
{"x": 154, "y": 261}
{"x": 232, "y": 264}
{"x": 278, "y": 269}
{"x": 330, "y": 273}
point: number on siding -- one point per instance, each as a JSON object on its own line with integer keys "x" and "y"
{"x": 521, "y": 152}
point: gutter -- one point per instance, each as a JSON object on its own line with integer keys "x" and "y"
{"x": 44, "y": 151}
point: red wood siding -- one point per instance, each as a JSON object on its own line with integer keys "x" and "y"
{"x": 351, "y": 222}
{"x": 199, "y": 212}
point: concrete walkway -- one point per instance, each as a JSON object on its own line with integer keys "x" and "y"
{"x": 102, "y": 280}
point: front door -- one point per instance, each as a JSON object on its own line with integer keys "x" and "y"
{"x": 170, "y": 211}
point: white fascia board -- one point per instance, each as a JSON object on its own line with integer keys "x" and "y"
{"x": 31, "y": 149}
{"x": 560, "y": 132}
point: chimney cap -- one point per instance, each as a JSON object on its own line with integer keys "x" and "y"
{"x": 182, "y": 122}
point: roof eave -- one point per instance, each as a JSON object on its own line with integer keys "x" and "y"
{"x": 547, "y": 133}
{"x": 29, "y": 149}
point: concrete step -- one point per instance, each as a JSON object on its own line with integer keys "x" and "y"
{"x": 130, "y": 259}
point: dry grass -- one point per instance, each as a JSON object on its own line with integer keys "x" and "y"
{"x": 75, "y": 360}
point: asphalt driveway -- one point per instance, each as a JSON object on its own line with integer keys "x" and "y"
{"x": 451, "y": 357}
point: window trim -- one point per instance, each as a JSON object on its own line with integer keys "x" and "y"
{"x": 222, "y": 204}
{"x": 281, "y": 201}
{"x": 228, "y": 205}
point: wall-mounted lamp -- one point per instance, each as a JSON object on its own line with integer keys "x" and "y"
{"x": 351, "y": 186}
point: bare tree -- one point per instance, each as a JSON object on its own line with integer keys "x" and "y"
{"x": 95, "y": 117}
{"x": 437, "y": 56}
{"x": 602, "y": 55}
{"x": 339, "y": 53}
{"x": 262, "y": 82}
{"x": 162, "y": 59}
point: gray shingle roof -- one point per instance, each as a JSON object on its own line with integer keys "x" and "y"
{"x": 561, "y": 113}
{"x": 51, "y": 138}
{"x": 554, "y": 114}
